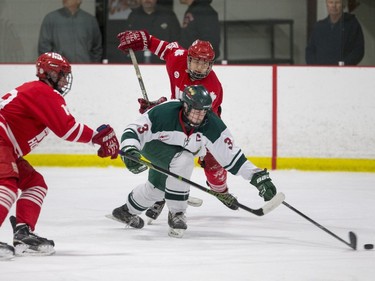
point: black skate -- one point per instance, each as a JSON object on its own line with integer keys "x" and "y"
{"x": 177, "y": 224}
{"x": 227, "y": 199}
{"x": 155, "y": 210}
{"x": 27, "y": 243}
{"x": 6, "y": 251}
{"x": 122, "y": 214}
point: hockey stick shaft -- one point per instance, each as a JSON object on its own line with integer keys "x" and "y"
{"x": 138, "y": 73}
{"x": 276, "y": 201}
{"x": 353, "y": 240}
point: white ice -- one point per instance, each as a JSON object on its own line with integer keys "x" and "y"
{"x": 219, "y": 244}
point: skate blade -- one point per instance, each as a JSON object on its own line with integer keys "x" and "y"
{"x": 6, "y": 255}
{"x": 176, "y": 233}
{"x": 194, "y": 201}
{"x": 110, "y": 216}
{"x": 127, "y": 225}
{"x": 26, "y": 250}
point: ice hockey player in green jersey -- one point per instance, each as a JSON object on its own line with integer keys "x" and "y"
{"x": 170, "y": 136}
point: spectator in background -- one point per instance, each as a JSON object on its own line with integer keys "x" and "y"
{"x": 201, "y": 22}
{"x": 134, "y": 3}
{"x": 118, "y": 9}
{"x": 159, "y": 21}
{"x": 337, "y": 39}
{"x": 168, "y": 4}
{"x": 11, "y": 49}
{"x": 121, "y": 9}
{"x": 72, "y": 32}
{"x": 118, "y": 13}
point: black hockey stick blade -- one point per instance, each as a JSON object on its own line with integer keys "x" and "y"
{"x": 352, "y": 237}
{"x": 353, "y": 240}
{"x": 268, "y": 207}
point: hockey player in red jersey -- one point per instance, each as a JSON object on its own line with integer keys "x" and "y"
{"x": 27, "y": 114}
{"x": 185, "y": 68}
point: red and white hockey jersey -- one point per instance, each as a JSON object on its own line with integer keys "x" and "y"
{"x": 28, "y": 112}
{"x": 176, "y": 63}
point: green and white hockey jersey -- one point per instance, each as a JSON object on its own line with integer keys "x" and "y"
{"x": 160, "y": 135}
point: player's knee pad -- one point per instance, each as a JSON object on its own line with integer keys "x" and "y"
{"x": 31, "y": 182}
{"x": 8, "y": 166}
{"x": 182, "y": 164}
{"x": 210, "y": 163}
{"x": 28, "y": 176}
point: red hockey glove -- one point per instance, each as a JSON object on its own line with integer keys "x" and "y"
{"x": 145, "y": 105}
{"x": 106, "y": 138}
{"x": 138, "y": 40}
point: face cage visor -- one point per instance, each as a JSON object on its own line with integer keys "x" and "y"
{"x": 197, "y": 75}
{"x": 195, "y": 117}
{"x": 63, "y": 83}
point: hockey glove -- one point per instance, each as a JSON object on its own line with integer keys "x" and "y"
{"x": 106, "y": 138}
{"x": 261, "y": 180}
{"x": 138, "y": 40}
{"x": 134, "y": 167}
{"x": 145, "y": 105}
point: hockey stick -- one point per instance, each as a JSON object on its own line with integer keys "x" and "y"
{"x": 138, "y": 73}
{"x": 352, "y": 237}
{"x": 268, "y": 207}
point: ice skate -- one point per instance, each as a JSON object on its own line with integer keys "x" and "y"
{"x": 27, "y": 243}
{"x": 177, "y": 224}
{"x": 229, "y": 200}
{"x": 155, "y": 210}
{"x": 6, "y": 251}
{"x": 226, "y": 198}
{"x": 122, "y": 214}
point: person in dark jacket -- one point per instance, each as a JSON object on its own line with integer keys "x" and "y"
{"x": 157, "y": 20}
{"x": 71, "y": 32}
{"x": 337, "y": 39}
{"x": 201, "y": 22}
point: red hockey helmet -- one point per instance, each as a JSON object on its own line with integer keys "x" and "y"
{"x": 56, "y": 70}
{"x": 200, "y": 51}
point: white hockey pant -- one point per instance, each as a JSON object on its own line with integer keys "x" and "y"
{"x": 145, "y": 195}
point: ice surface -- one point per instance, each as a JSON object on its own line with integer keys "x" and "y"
{"x": 219, "y": 244}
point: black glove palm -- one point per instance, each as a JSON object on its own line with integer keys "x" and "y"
{"x": 262, "y": 181}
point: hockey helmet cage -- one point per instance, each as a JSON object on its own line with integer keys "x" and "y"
{"x": 55, "y": 69}
{"x": 200, "y": 50}
{"x": 196, "y": 97}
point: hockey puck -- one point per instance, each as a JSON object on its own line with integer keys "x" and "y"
{"x": 368, "y": 246}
